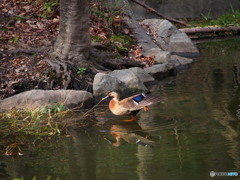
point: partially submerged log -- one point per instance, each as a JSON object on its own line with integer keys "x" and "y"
{"x": 209, "y": 29}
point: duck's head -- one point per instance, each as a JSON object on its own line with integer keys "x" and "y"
{"x": 112, "y": 94}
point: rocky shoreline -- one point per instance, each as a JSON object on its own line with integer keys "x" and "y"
{"x": 158, "y": 38}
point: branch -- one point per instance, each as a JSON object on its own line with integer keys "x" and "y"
{"x": 159, "y": 14}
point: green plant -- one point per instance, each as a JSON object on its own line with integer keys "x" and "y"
{"x": 81, "y": 70}
{"x": 122, "y": 42}
{"x": 231, "y": 18}
{"x": 48, "y": 7}
{"x": 37, "y": 122}
{"x": 55, "y": 108}
{"x": 15, "y": 39}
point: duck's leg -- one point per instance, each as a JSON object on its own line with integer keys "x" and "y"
{"x": 145, "y": 108}
{"x": 130, "y": 120}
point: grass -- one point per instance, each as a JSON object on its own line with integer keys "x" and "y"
{"x": 37, "y": 122}
{"x": 18, "y": 127}
{"x": 231, "y": 18}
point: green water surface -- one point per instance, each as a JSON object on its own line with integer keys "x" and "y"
{"x": 194, "y": 132}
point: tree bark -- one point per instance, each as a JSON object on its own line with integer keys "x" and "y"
{"x": 73, "y": 41}
{"x": 71, "y": 49}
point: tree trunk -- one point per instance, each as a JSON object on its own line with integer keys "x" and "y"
{"x": 71, "y": 49}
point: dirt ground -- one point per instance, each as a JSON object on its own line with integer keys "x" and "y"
{"x": 25, "y": 39}
{"x": 28, "y": 30}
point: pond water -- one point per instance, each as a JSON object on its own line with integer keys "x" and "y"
{"x": 194, "y": 132}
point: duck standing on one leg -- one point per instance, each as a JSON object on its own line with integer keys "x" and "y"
{"x": 131, "y": 105}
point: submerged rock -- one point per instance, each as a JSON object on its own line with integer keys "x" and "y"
{"x": 38, "y": 99}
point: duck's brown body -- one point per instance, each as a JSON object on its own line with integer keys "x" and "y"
{"x": 131, "y": 105}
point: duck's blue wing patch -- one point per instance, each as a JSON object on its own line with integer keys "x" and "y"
{"x": 139, "y": 98}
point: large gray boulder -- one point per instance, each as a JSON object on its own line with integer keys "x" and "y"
{"x": 169, "y": 38}
{"x": 38, "y": 99}
{"x": 104, "y": 83}
{"x": 149, "y": 47}
{"x": 124, "y": 81}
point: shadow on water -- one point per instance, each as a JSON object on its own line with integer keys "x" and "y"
{"x": 194, "y": 132}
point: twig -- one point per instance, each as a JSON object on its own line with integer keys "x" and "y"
{"x": 88, "y": 112}
{"x": 159, "y": 14}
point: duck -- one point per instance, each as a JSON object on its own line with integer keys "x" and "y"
{"x": 131, "y": 105}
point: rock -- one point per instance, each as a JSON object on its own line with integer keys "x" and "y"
{"x": 180, "y": 62}
{"x": 132, "y": 77}
{"x": 124, "y": 81}
{"x": 180, "y": 44}
{"x": 169, "y": 38}
{"x": 38, "y": 99}
{"x": 149, "y": 47}
{"x": 104, "y": 83}
{"x": 160, "y": 56}
{"x": 143, "y": 39}
{"x": 158, "y": 71}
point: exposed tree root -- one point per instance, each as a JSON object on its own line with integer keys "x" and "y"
{"x": 66, "y": 75}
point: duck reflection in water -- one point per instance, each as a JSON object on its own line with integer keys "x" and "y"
{"x": 129, "y": 131}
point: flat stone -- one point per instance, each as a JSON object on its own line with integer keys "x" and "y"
{"x": 38, "y": 99}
